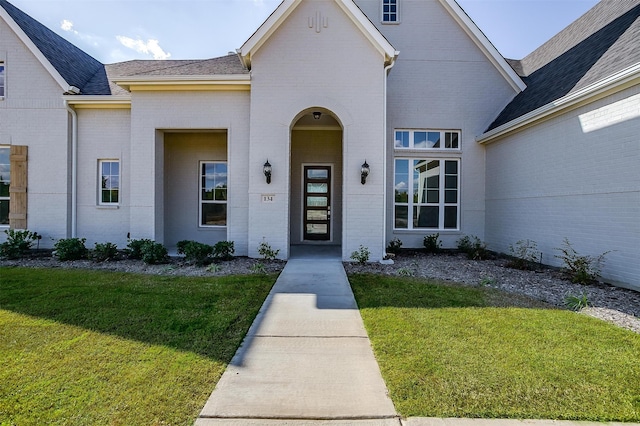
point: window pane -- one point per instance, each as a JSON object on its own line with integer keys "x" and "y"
{"x": 106, "y": 168}
{"x": 402, "y": 140}
{"x": 426, "y": 216}
{"x": 4, "y": 188}
{"x": 451, "y": 182}
{"x": 4, "y": 156}
{"x": 401, "y": 181}
{"x": 420, "y": 139}
{"x": 450, "y": 217}
{"x": 451, "y": 167}
{"x": 433, "y": 196}
{"x": 433, "y": 139}
{"x": 317, "y": 174}
{"x": 450, "y": 196}
{"x": 4, "y": 212}
{"x": 317, "y": 215}
{"x": 317, "y": 201}
{"x": 214, "y": 214}
{"x": 1, "y": 80}
{"x": 317, "y": 188}
{"x": 316, "y": 228}
{"x": 401, "y": 217}
{"x": 451, "y": 140}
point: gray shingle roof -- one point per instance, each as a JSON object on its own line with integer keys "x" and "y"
{"x": 76, "y": 67}
{"x": 603, "y": 41}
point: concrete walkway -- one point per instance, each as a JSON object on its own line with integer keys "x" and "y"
{"x": 307, "y": 361}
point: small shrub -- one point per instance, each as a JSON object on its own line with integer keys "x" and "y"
{"x": 579, "y": 268}
{"x": 224, "y": 250}
{"x": 195, "y": 252}
{"x": 487, "y": 281}
{"x": 473, "y": 247}
{"x": 524, "y": 255}
{"x": 18, "y": 243}
{"x": 134, "y": 248}
{"x": 70, "y": 249}
{"x": 576, "y": 303}
{"x": 154, "y": 253}
{"x": 405, "y": 272}
{"x": 258, "y": 268}
{"x": 265, "y": 250}
{"x": 104, "y": 252}
{"x": 214, "y": 267}
{"x": 432, "y": 243}
{"x": 394, "y": 246}
{"x": 361, "y": 255}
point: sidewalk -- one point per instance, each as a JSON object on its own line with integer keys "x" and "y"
{"x": 307, "y": 361}
{"x": 306, "y": 357}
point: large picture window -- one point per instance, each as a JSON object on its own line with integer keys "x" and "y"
{"x": 427, "y": 139}
{"x": 427, "y": 193}
{"x": 109, "y": 190}
{"x": 213, "y": 193}
{"x": 5, "y": 181}
{"x": 390, "y": 11}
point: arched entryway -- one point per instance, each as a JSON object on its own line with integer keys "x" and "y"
{"x": 316, "y": 180}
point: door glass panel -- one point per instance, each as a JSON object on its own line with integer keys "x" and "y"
{"x": 316, "y": 228}
{"x": 317, "y": 174}
{"x": 317, "y": 215}
{"x": 317, "y": 201}
{"x": 317, "y": 188}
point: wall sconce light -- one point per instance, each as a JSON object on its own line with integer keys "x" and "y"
{"x": 317, "y": 115}
{"x": 364, "y": 172}
{"x": 266, "y": 169}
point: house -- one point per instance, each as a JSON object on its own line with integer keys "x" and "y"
{"x": 404, "y": 121}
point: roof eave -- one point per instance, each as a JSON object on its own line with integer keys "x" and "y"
{"x": 98, "y": 101}
{"x": 605, "y": 87}
{"x": 485, "y": 45}
{"x": 220, "y": 80}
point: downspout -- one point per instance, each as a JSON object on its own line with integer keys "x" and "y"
{"x": 74, "y": 170}
{"x": 387, "y": 70}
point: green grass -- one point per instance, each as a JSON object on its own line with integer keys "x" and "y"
{"x": 84, "y": 347}
{"x": 453, "y": 351}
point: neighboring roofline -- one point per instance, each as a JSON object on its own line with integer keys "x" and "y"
{"x": 98, "y": 101}
{"x": 64, "y": 85}
{"x": 185, "y": 82}
{"x": 282, "y": 12}
{"x": 614, "y": 83}
{"x": 481, "y": 40}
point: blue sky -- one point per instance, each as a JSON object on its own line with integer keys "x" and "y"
{"x": 116, "y": 30}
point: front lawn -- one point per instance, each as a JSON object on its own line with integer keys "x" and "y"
{"x": 454, "y": 351}
{"x": 85, "y": 347}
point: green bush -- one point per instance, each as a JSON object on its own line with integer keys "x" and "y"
{"x": 267, "y": 253}
{"x": 224, "y": 250}
{"x": 432, "y": 243}
{"x": 70, "y": 249}
{"x": 104, "y": 252}
{"x": 18, "y": 243}
{"x": 361, "y": 255}
{"x": 473, "y": 247}
{"x": 195, "y": 252}
{"x": 579, "y": 268}
{"x": 154, "y": 253}
{"x": 524, "y": 255}
{"x": 134, "y": 248}
{"x": 394, "y": 246}
{"x": 576, "y": 303}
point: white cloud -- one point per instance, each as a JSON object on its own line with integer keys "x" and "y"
{"x": 401, "y": 186}
{"x": 150, "y": 47}
{"x": 67, "y": 25}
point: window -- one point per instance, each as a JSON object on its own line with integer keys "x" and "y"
{"x": 5, "y": 180}
{"x": 213, "y": 193}
{"x": 426, "y": 193}
{"x": 2, "y": 79}
{"x": 109, "y": 190}
{"x": 427, "y": 139}
{"x": 390, "y": 11}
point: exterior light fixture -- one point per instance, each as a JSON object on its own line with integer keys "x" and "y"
{"x": 317, "y": 115}
{"x": 364, "y": 172}
{"x": 266, "y": 169}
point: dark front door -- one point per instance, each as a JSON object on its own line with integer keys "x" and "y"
{"x": 317, "y": 203}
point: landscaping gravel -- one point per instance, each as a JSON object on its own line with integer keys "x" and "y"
{"x": 616, "y": 305}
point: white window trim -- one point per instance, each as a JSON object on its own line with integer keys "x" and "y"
{"x": 441, "y": 190}
{"x": 442, "y": 132}
{"x": 397, "y": 20}
{"x": 3, "y": 226}
{"x": 201, "y": 201}
{"x": 100, "y": 162}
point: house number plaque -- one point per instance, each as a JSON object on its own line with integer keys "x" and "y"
{"x": 268, "y": 198}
